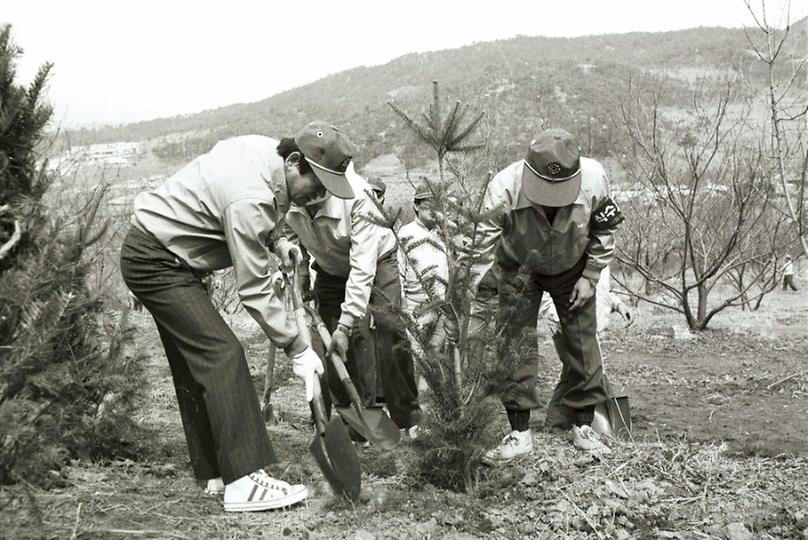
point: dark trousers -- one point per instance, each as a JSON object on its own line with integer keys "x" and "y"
{"x": 788, "y": 282}
{"x": 218, "y": 403}
{"x": 395, "y": 365}
{"x": 584, "y": 384}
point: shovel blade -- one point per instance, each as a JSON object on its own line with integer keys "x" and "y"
{"x": 374, "y": 425}
{"x": 343, "y": 458}
{"x": 619, "y": 416}
{"x": 317, "y": 450}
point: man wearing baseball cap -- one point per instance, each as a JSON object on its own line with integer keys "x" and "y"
{"x": 551, "y": 230}
{"x": 355, "y": 264}
{"x": 422, "y": 262}
{"x": 379, "y": 188}
{"x": 225, "y": 209}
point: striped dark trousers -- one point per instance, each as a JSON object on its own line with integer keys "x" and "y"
{"x": 218, "y": 403}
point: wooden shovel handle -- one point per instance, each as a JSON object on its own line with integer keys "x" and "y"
{"x": 339, "y": 365}
{"x": 318, "y": 407}
{"x": 300, "y": 313}
{"x": 316, "y": 404}
{"x": 303, "y": 330}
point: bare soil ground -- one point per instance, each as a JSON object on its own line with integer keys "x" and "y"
{"x": 719, "y": 447}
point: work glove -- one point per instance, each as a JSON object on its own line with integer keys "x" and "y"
{"x": 306, "y": 366}
{"x": 340, "y": 340}
{"x": 289, "y": 254}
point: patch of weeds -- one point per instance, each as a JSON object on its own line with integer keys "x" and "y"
{"x": 784, "y": 523}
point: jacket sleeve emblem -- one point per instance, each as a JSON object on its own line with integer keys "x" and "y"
{"x": 607, "y": 216}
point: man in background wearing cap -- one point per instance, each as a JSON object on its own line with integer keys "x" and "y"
{"x": 221, "y": 210}
{"x": 379, "y": 189}
{"x": 551, "y": 230}
{"x": 423, "y": 266}
{"x": 355, "y": 264}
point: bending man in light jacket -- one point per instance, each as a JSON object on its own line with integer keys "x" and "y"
{"x": 223, "y": 210}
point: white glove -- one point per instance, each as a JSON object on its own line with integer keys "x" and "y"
{"x": 289, "y": 254}
{"x": 306, "y": 366}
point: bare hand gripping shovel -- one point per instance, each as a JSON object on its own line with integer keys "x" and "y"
{"x": 331, "y": 447}
{"x": 373, "y": 424}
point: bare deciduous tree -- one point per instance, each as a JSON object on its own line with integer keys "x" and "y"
{"x": 702, "y": 208}
{"x": 786, "y": 105}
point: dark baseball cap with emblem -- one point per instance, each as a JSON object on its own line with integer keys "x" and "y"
{"x": 552, "y": 172}
{"x": 328, "y": 151}
{"x": 378, "y": 186}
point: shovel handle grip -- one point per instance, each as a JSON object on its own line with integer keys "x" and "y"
{"x": 339, "y": 365}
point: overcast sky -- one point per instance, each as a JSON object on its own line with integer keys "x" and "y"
{"x": 122, "y": 60}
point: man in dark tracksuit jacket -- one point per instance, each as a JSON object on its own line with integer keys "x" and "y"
{"x": 551, "y": 230}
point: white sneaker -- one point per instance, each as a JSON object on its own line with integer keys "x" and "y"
{"x": 514, "y": 445}
{"x": 585, "y": 438}
{"x": 413, "y": 432}
{"x": 215, "y": 486}
{"x": 259, "y": 491}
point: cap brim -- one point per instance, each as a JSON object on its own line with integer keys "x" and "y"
{"x": 336, "y": 184}
{"x": 546, "y": 193}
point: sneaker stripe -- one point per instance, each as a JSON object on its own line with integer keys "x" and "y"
{"x": 252, "y": 493}
{"x": 263, "y": 494}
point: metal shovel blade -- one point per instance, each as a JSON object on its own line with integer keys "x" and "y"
{"x": 344, "y": 461}
{"x": 317, "y": 449}
{"x": 334, "y": 452}
{"x": 372, "y": 424}
{"x": 619, "y": 414}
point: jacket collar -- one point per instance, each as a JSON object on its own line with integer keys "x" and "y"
{"x": 331, "y": 208}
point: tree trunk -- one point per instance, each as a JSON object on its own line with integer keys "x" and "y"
{"x": 778, "y": 145}
{"x": 703, "y": 293}
{"x": 440, "y": 167}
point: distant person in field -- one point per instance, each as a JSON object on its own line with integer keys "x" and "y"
{"x": 423, "y": 265}
{"x": 551, "y": 229}
{"x": 355, "y": 262}
{"x": 606, "y": 303}
{"x": 222, "y": 210}
{"x": 788, "y": 274}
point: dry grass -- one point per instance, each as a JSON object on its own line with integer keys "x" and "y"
{"x": 665, "y": 484}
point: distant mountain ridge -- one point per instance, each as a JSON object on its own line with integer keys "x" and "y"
{"x": 522, "y": 83}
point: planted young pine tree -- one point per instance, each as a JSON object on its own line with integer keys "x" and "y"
{"x": 465, "y": 378}
{"x": 64, "y": 391}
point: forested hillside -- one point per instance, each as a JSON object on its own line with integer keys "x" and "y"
{"x": 522, "y": 83}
